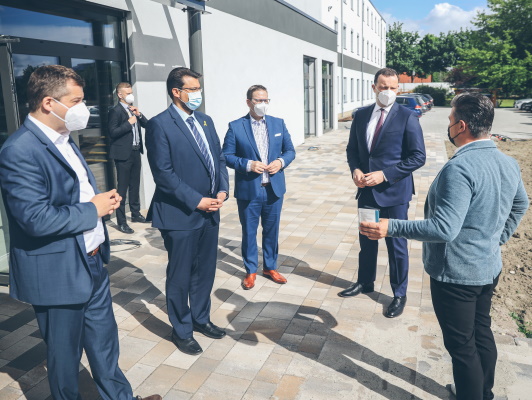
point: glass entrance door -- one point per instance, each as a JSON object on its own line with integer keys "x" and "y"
{"x": 309, "y": 83}
{"x": 327, "y": 93}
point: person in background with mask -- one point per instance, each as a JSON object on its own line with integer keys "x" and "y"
{"x": 259, "y": 148}
{"x": 385, "y": 146}
{"x": 473, "y": 207}
{"x": 192, "y": 183}
{"x": 125, "y": 121}
{"x": 58, "y": 239}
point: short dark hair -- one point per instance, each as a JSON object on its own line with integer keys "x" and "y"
{"x": 253, "y": 89}
{"x": 50, "y": 80}
{"x": 122, "y": 85}
{"x": 476, "y": 110}
{"x": 175, "y": 78}
{"x": 385, "y": 72}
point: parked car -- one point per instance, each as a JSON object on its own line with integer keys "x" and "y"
{"x": 411, "y": 103}
{"x": 526, "y": 106}
{"x": 421, "y": 101}
{"x": 519, "y": 103}
{"x": 427, "y": 98}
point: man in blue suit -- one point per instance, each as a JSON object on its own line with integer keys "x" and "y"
{"x": 258, "y": 147}
{"x": 58, "y": 240}
{"x": 192, "y": 183}
{"x": 385, "y": 146}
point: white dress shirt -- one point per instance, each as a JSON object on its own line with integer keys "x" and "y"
{"x": 374, "y": 120}
{"x": 96, "y": 236}
{"x": 134, "y": 126}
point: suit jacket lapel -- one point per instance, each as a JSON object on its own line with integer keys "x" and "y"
{"x": 271, "y": 136}
{"x": 209, "y": 135}
{"x": 51, "y": 147}
{"x": 364, "y": 126}
{"x": 246, "y": 121}
{"x": 388, "y": 122}
{"x": 185, "y": 130}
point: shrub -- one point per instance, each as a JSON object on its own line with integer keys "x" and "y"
{"x": 438, "y": 94}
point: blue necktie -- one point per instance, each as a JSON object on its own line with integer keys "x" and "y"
{"x": 204, "y": 150}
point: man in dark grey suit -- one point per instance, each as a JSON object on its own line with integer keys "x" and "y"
{"x": 125, "y": 121}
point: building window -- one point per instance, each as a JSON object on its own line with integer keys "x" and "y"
{"x": 344, "y": 38}
{"x": 352, "y": 89}
{"x": 336, "y": 24}
{"x": 358, "y": 44}
{"x": 367, "y": 15}
{"x": 345, "y": 90}
{"x": 352, "y": 4}
{"x": 358, "y": 8}
{"x": 352, "y": 41}
{"x": 358, "y": 89}
{"x": 338, "y": 88}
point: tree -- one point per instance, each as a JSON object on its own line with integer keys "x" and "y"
{"x": 401, "y": 49}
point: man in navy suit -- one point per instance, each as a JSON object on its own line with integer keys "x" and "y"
{"x": 258, "y": 147}
{"x": 385, "y": 146}
{"x": 192, "y": 183}
{"x": 58, "y": 238}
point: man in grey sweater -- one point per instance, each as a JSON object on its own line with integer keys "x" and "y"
{"x": 473, "y": 207}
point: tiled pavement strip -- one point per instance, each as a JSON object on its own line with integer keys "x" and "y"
{"x": 295, "y": 341}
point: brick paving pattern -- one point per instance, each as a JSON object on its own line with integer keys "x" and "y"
{"x": 293, "y": 341}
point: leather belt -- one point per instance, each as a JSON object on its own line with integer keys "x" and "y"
{"x": 94, "y": 252}
{"x": 265, "y": 184}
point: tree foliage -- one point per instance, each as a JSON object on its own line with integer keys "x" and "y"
{"x": 401, "y": 49}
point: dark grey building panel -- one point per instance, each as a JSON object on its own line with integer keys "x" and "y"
{"x": 356, "y": 65}
{"x": 282, "y": 17}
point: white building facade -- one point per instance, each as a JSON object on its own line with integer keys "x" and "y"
{"x": 316, "y": 57}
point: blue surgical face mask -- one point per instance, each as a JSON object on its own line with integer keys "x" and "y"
{"x": 194, "y": 100}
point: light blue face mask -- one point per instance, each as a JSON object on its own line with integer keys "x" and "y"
{"x": 194, "y": 100}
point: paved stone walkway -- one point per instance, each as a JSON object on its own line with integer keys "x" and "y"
{"x": 295, "y": 341}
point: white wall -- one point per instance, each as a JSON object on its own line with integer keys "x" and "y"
{"x": 244, "y": 54}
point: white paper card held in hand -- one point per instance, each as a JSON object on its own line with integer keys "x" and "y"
{"x": 368, "y": 215}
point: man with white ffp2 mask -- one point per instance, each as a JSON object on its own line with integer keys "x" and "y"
{"x": 259, "y": 148}
{"x": 125, "y": 121}
{"x": 385, "y": 146}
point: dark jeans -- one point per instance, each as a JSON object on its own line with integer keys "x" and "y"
{"x": 464, "y": 316}
{"x": 128, "y": 182}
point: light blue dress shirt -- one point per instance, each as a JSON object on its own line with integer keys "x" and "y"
{"x": 185, "y": 116}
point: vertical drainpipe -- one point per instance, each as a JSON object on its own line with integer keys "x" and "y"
{"x": 195, "y": 47}
{"x": 342, "y": 53}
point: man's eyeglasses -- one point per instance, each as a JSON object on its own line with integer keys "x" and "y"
{"x": 257, "y": 101}
{"x": 191, "y": 90}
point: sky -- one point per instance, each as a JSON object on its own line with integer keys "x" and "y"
{"x": 430, "y": 16}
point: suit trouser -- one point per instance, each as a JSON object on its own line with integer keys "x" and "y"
{"x": 397, "y": 248}
{"x": 464, "y": 315}
{"x": 266, "y": 207}
{"x": 69, "y": 329}
{"x": 190, "y": 275}
{"x": 128, "y": 181}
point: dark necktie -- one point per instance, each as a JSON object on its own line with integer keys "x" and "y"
{"x": 377, "y": 131}
{"x": 204, "y": 150}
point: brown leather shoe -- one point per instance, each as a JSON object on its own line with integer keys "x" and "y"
{"x": 249, "y": 281}
{"x": 152, "y": 397}
{"x": 274, "y": 276}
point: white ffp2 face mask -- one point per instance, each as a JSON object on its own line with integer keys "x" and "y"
{"x": 129, "y": 99}
{"x": 260, "y": 109}
{"x": 76, "y": 118}
{"x": 386, "y": 97}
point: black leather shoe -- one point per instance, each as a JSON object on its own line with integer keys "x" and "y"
{"x": 396, "y": 307}
{"x": 124, "y": 228}
{"x": 187, "y": 346}
{"x": 139, "y": 218}
{"x": 210, "y": 330}
{"x": 357, "y": 288}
